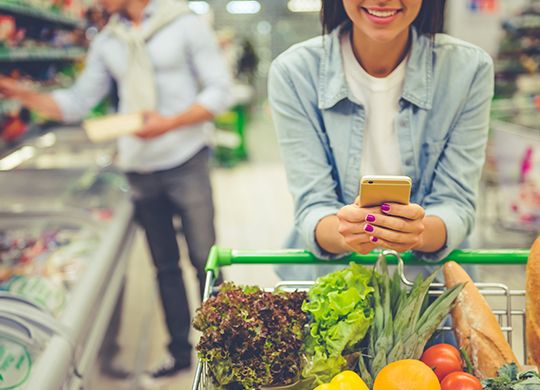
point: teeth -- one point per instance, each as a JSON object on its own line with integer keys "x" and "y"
{"x": 381, "y": 14}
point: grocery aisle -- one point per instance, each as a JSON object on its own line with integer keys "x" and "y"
{"x": 61, "y": 176}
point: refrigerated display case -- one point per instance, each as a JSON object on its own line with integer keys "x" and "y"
{"x": 66, "y": 231}
{"x": 511, "y": 188}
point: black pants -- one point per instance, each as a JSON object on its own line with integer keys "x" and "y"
{"x": 159, "y": 196}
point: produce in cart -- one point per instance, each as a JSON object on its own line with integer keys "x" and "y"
{"x": 340, "y": 306}
{"x": 404, "y": 320}
{"x": 533, "y": 305}
{"x": 346, "y": 380}
{"x": 444, "y": 359}
{"x": 509, "y": 378}
{"x": 356, "y": 319}
{"x": 460, "y": 381}
{"x": 250, "y": 337}
{"x": 476, "y": 327}
{"x": 407, "y": 374}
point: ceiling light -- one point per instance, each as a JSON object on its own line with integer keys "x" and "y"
{"x": 199, "y": 7}
{"x": 304, "y": 5}
{"x": 243, "y": 7}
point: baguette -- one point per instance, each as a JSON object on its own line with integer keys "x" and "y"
{"x": 477, "y": 330}
{"x": 533, "y": 306}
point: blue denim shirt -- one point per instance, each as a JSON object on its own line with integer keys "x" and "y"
{"x": 442, "y": 126}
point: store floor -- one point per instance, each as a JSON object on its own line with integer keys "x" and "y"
{"x": 254, "y": 211}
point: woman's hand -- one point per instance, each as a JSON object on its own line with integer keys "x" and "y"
{"x": 351, "y": 226}
{"x": 391, "y": 226}
{"x": 397, "y": 227}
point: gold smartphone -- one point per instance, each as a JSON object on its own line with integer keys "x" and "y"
{"x": 376, "y": 190}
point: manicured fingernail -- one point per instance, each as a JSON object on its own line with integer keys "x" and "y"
{"x": 368, "y": 228}
{"x": 370, "y": 218}
{"x": 374, "y": 239}
{"x": 385, "y": 207}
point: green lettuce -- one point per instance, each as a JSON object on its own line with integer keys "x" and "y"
{"x": 340, "y": 306}
{"x": 509, "y": 378}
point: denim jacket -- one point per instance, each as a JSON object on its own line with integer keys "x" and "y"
{"x": 442, "y": 126}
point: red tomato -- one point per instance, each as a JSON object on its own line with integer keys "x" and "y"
{"x": 443, "y": 359}
{"x": 461, "y": 381}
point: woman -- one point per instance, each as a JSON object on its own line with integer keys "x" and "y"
{"x": 382, "y": 93}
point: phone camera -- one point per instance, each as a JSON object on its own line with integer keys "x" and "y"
{"x": 370, "y": 182}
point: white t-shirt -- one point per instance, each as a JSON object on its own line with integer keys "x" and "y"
{"x": 380, "y": 98}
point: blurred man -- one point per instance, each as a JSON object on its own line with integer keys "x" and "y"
{"x": 166, "y": 63}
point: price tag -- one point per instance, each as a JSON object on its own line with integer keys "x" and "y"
{"x": 15, "y": 364}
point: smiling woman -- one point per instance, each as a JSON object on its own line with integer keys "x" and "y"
{"x": 383, "y": 92}
{"x": 428, "y": 20}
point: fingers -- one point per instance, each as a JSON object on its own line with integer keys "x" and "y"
{"x": 353, "y": 213}
{"x": 411, "y": 211}
{"x": 391, "y": 226}
{"x": 411, "y": 239}
{"x": 396, "y": 223}
{"x": 346, "y": 227}
{"x": 391, "y": 245}
{"x": 354, "y": 240}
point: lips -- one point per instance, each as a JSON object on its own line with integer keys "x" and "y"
{"x": 381, "y": 15}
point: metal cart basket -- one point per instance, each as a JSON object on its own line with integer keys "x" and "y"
{"x": 508, "y": 305}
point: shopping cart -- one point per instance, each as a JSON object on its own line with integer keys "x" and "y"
{"x": 508, "y": 305}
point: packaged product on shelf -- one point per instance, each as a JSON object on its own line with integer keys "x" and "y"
{"x": 43, "y": 265}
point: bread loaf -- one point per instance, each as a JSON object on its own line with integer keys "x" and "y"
{"x": 477, "y": 330}
{"x": 533, "y": 305}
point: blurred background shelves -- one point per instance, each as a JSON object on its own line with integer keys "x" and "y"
{"x": 21, "y": 8}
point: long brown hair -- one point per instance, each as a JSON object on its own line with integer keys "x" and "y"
{"x": 429, "y": 21}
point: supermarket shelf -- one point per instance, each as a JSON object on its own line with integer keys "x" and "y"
{"x": 20, "y": 8}
{"x": 40, "y": 54}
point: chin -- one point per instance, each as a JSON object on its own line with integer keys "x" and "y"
{"x": 383, "y": 36}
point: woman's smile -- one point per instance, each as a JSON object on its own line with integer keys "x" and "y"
{"x": 381, "y": 15}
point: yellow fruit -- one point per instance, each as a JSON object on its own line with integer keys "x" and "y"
{"x": 348, "y": 380}
{"x": 407, "y": 375}
{"x": 325, "y": 386}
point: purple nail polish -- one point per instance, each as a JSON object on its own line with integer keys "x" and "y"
{"x": 385, "y": 207}
{"x": 370, "y": 218}
{"x": 374, "y": 239}
{"x": 368, "y": 228}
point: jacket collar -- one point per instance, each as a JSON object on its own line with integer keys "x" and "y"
{"x": 418, "y": 80}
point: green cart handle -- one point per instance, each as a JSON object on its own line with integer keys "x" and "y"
{"x": 223, "y": 257}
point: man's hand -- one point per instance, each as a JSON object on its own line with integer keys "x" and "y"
{"x": 11, "y": 89}
{"x": 155, "y": 125}
{"x": 397, "y": 227}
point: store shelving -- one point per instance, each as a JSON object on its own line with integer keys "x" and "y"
{"x": 41, "y": 54}
{"x": 22, "y": 9}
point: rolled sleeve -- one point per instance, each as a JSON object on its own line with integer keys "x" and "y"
{"x": 455, "y": 185}
{"x": 309, "y": 174}
{"x": 309, "y": 226}
{"x": 88, "y": 90}
{"x": 209, "y": 66}
{"x": 454, "y": 232}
